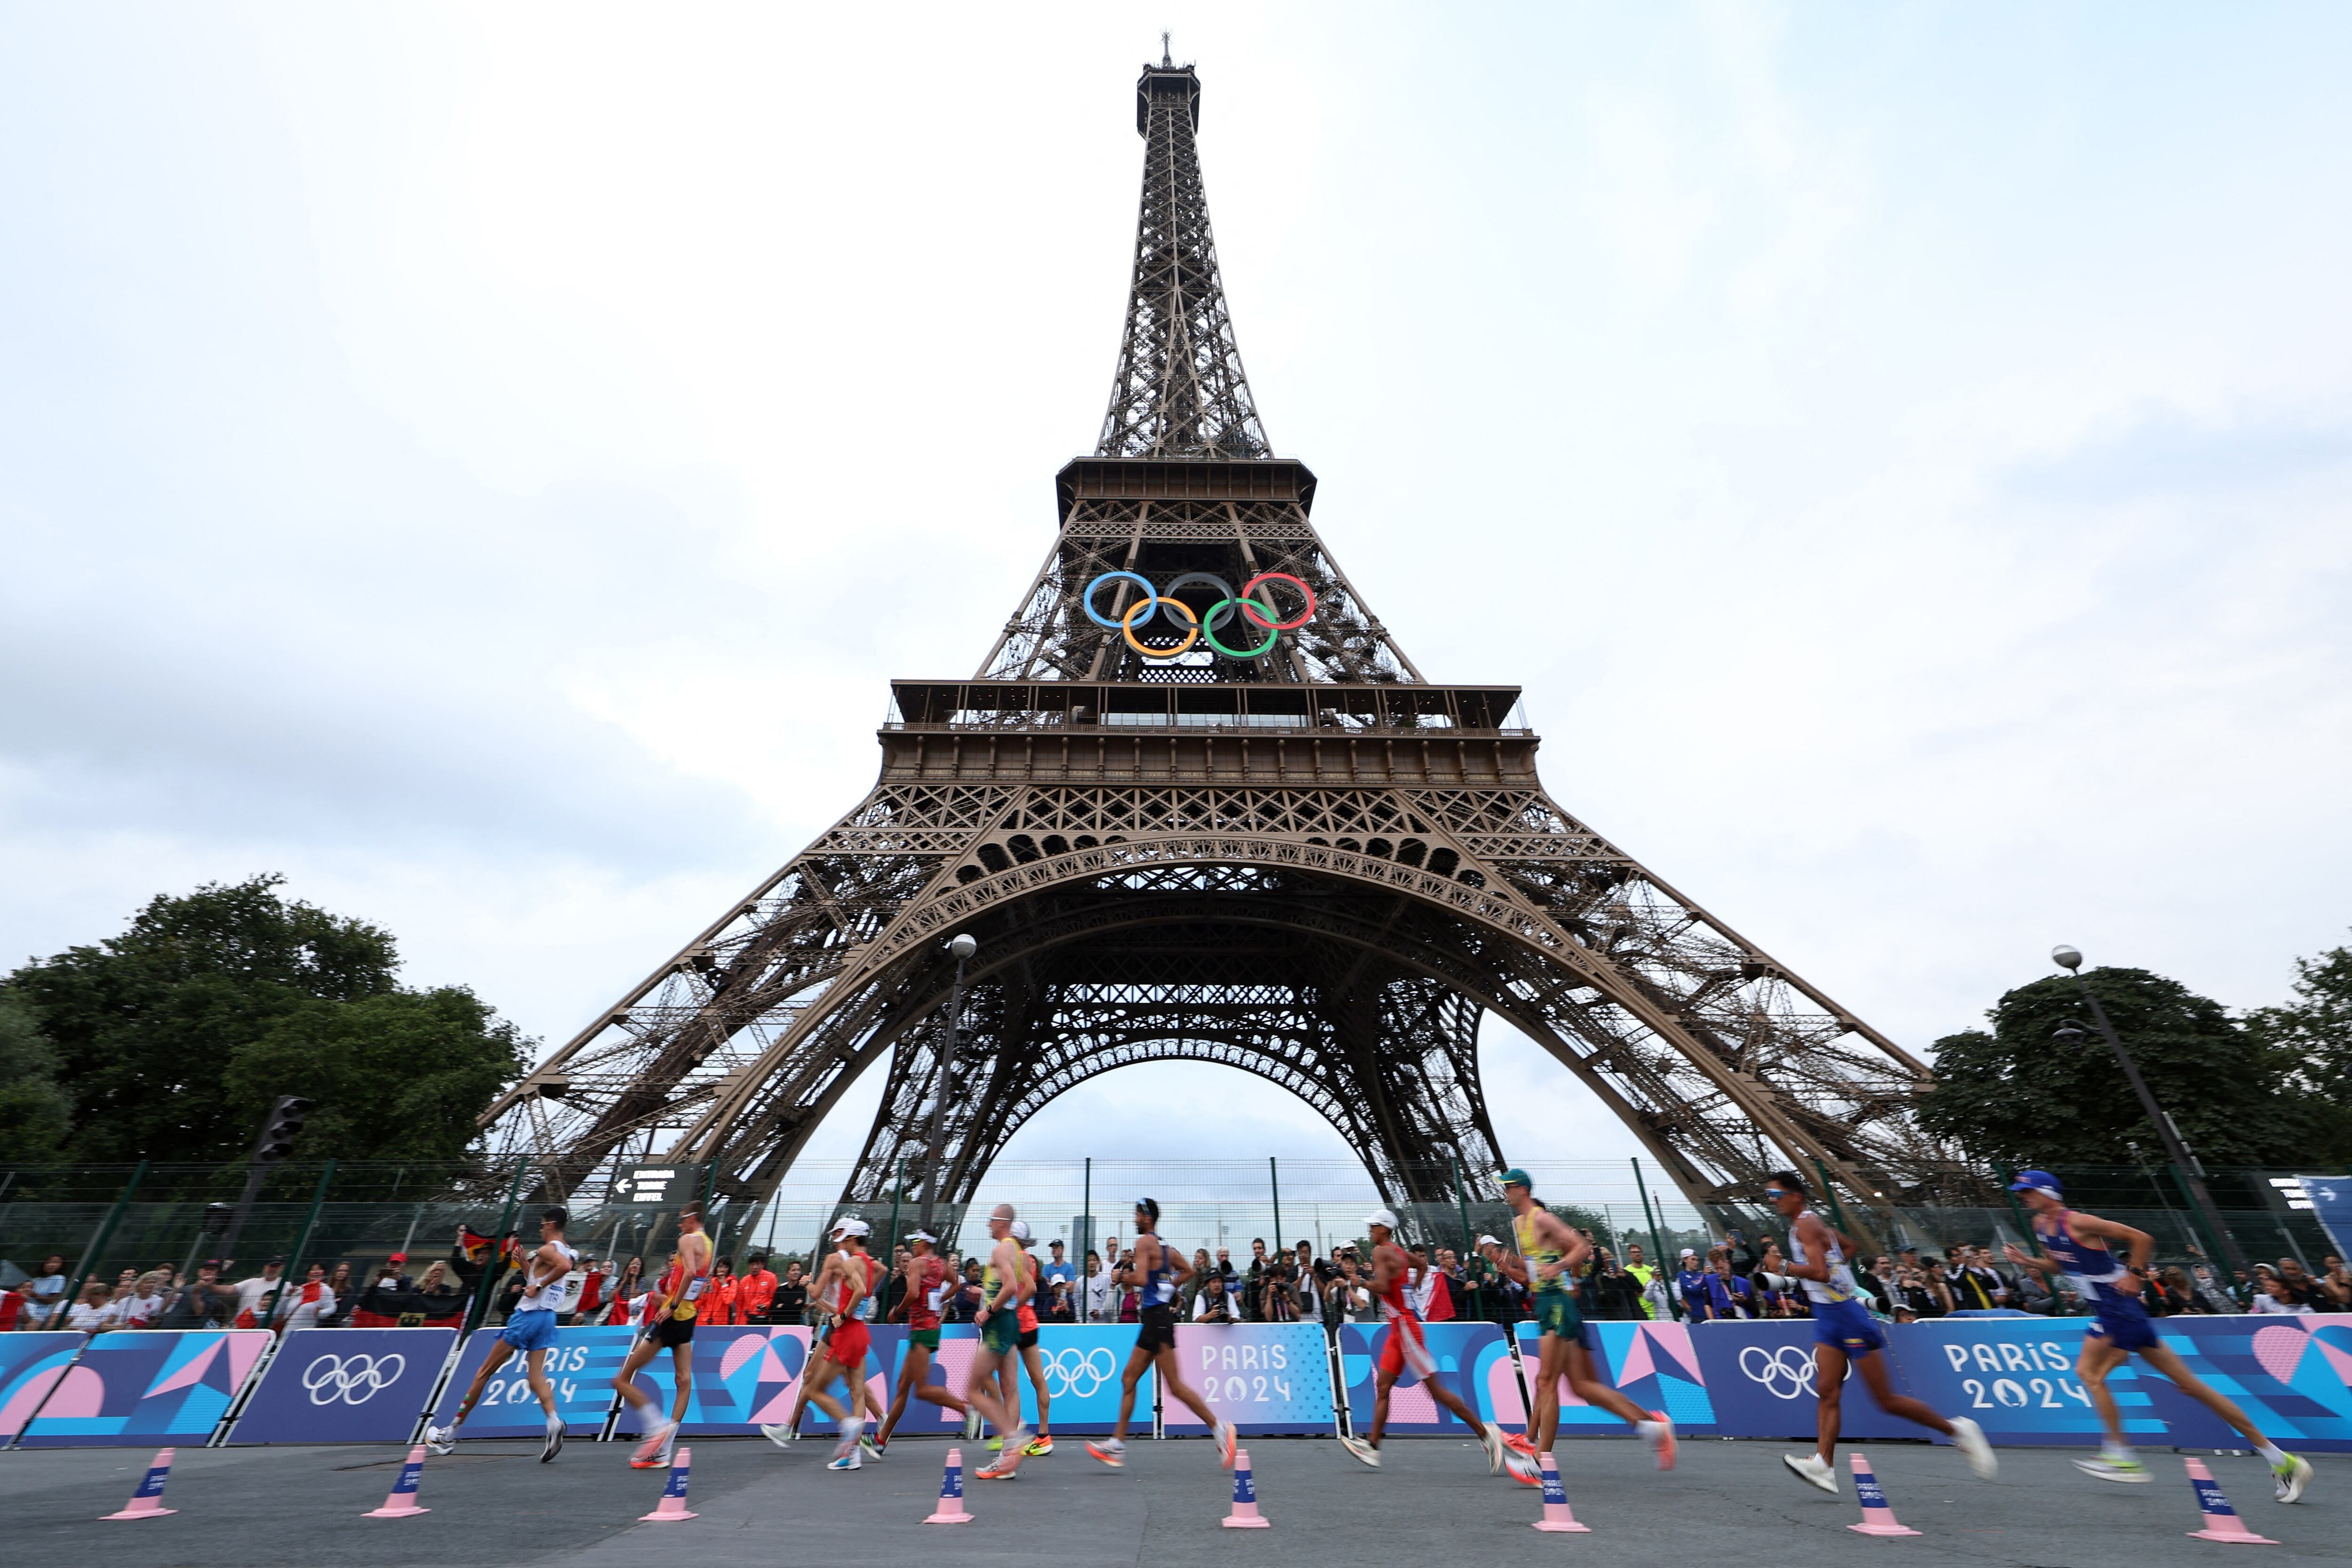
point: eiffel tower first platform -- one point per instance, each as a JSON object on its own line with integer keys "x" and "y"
{"x": 1197, "y": 804}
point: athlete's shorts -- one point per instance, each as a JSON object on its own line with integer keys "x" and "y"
{"x": 1028, "y": 1340}
{"x": 1848, "y": 1326}
{"x": 529, "y": 1331}
{"x": 847, "y": 1345}
{"x": 1406, "y": 1348}
{"x": 1556, "y": 1313}
{"x": 1157, "y": 1332}
{"x": 928, "y": 1338}
{"x": 2124, "y": 1324}
{"x": 668, "y": 1333}
{"x": 999, "y": 1333}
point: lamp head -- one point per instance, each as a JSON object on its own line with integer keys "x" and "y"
{"x": 962, "y": 946}
{"x": 2068, "y": 1032}
{"x": 2066, "y": 956}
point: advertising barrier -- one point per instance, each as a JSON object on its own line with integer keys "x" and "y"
{"x": 30, "y": 1365}
{"x": 155, "y": 1385}
{"x": 1083, "y": 1363}
{"x": 745, "y": 1378}
{"x": 1473, "y": 1359}
{"x": 581, "y": 1365}
{"x": 347, "y": 1385}
{"x": 1759, "y": 1381}
{"x": 1652, "y": 1364}
{"x": 1266, "y": 1378}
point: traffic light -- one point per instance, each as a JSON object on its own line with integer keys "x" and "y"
{"x": 278, "y": 1134}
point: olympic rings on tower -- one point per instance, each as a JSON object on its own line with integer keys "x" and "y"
{"x": 1261, "y": 614}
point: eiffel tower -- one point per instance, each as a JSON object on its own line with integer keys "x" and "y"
{"x": 1197, "y": 804}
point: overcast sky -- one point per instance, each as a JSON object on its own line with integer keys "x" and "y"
{"x": 485, "y": 463}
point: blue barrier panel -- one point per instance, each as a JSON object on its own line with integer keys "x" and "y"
{"x": 1266, "y": 1378}
{"x": 1473, "y": 1360}
{"x": 2279, "y": 1373}
{"x": 1651, "y": 1362}
{"x": 1082, "y": 1363}
{"x": 345, "y": 1385}
{"x": 1759, "y": 1381}
{"x": 30, "y": 1365}
{"x": 155, "y": 1385}
{"x": 580, "y": 1366}
{"x": 2015, "y": 1378}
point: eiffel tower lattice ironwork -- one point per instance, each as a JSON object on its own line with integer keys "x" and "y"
{"x": 1298, "y": 858}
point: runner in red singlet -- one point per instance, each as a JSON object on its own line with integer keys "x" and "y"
{"x": 845, "y": 1279}
{"x": 926, "y": 1275}
{"x": 1404, "y": 1347}
{"x": 671, "y": 1313}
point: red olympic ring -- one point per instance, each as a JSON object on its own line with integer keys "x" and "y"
{"x": 1248, "y": 608}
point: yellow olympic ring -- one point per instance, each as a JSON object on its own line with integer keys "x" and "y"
{"x": 1127, "y": 627}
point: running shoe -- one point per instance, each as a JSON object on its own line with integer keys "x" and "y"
{"x": 872, "y": 1449}
{"x": 848, "y": 1461}
{"x": 1004, "y": 1470}
{"x": 1110, "y": 1451}
{"x": 1016, "y": 1448}
{"x": 1813, "y": 1470}
{"x": 1521, "y": 1468}
{"x": 554, "y": 1443}
{"x": 648, "y": 1455}
{"x": 1662, "y": 1439}
{"x": 778, "y": 1433}
{"x": 1229, "y": 1442}
{"x": 972, "y": 1423}
{"x": 1362, "y": 1450}
{"x": 2292, "y": 1477}
{"x": 440, "y": 1439}
{"x": 1491, "y": 1437}
{"x": 1039, "y": 1446}
{"x": 2111, "y": 1467}
{"x": 1970, "y": 1438}
{"x": 1518, "y": 1442}
{"x": 995, "y": 1445}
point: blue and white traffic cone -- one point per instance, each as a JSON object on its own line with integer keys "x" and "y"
{"x": 1557, "y": 1515}
{"x": 672, "y": 1508}
{"x": 952, "y": 1509}
{"x": 1244, "y": 1514}
{"x": 147, "y": 1501}
{"x": 2222, "y": 1521}
{"x": 402, "y": 1501}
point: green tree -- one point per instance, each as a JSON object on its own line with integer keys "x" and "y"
{"x": 2020, "y": 1096}
{"x": 2316, "y": 1030}
{"x": 172, "y": 1038}
{"x": 34, "y": 1111}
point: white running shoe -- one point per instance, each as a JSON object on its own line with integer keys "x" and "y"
{"x": 848, "y": 1461}
{"x": 1521, "y": 1467}
{"x": 1228, "y": 1443}
{"x": 1970, "y": 1438}
{"x": 554, "y": 1443}
{"x": 778, "y": 1433}
{"x": 1110, "y": 1451}
{"x": 651, "y": 1453}
{"x": 1491, "y": 1437}
{"x": 1813, "y": 1470}
{"x": 1362, "y": 1449}
{"x": 440, "y": 1439}
{"x": 971, "y": 1422}
{"x": 2114, "y": 1467}
{"x": 2292, "y": 1478}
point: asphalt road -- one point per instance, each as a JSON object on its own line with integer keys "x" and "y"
{"x": 1433, "y": 1500}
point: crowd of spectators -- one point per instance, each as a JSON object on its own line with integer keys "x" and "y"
{"x": 1734, "y": 1280}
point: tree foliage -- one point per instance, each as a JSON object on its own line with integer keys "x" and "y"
{"x": 2316, "y": 1030}
{"x": 172, "y": 1039}
{"x": 2019, "y": 1096}
{"x": 35, "y": 1112}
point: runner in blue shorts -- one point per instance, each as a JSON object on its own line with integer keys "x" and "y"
{"x": 532, "y": 1330}
{"x": 2076, "y": 1245}
{"x": 1845, "y": 1334}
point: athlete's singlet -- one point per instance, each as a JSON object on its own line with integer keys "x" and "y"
{"x": 1404, "y": 1345}
{"x": 923, "y": 1300}
{"x": 2100, "y": 1277}
{"x": 1840, "y": 1319}
{"x": 1001, "y": 1330}
{"x": 1555, "y": 1308}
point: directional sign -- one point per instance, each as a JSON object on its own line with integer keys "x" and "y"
{"x": 670, "y": 1184}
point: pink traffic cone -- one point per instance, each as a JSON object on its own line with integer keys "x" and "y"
{"x": 672, "y": 1508}
{"x": 402, "y": 1501}
{"x": 1877, "y": 1519}
{"x": 1244, "y": 1514}
{"x": 951, "y": 1509}
{"x": 1557, "y": 1515}
{"x": 2222, "y": 1521}
{"x": 147, "y": 1501}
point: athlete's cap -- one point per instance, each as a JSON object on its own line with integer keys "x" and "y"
{"x": 851, "y": 1227}
{"x": 1020, "y": 1230}
{"x": 921, "y": 1235}
{"x": 2036, "y": 1181}
{"x": 1514, "y": 1176}
{"x": 1381, "y": 1216}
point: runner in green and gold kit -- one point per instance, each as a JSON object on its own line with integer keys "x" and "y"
{"x": 1548, "y": 1252}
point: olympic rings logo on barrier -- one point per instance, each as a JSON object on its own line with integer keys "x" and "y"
{"x": 1772, "y": 1368}
{"x": 1070, "y": 1365}
{"x": 353, "y": 1382}
{"x": 1261, "y": 614}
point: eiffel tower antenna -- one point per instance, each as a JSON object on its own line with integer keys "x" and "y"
{"x": 1166, "y": 64}
{"x": 1196, "y": 804}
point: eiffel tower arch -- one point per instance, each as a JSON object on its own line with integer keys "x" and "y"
{"x": 1187, "y": 818}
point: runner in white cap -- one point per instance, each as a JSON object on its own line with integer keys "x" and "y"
{"x": 1405, "y": 1347}
{"x": 845, "y": 1279}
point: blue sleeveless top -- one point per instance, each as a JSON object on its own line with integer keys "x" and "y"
{"x": 2096, "y": 1272}
{"x": 1159, "y": 1284}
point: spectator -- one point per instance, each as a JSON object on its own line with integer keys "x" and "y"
{"x": 2301, "y": 1286}
{"x": 792, "y": 1296}
{"x": 756, "y": 1292}
{"x": 1728, "y": 1297}
{"x": 1306, "y": 1285}
{"x": 206, "y": 1303}
{"x": 1880, "y": 1282}
{"x": 1192, "y": 1290}
{"x": 2179, "y": 1295}
{"x": 443, "y": 1297}
{"x": 1742, "y": 1257}
{"x": 2034, "y": 1295}
{"x": 591, "y": 1299}
{"x": 45, "y": 1293}
{"x": 250, "y": 1310}
{"x": 95, "y": 1311}
{"x": 385, "y": 1302}
{"x": 338, "y": 1281}
{"x": 1057, "y": 1269}
{"x": 2279, "y": 1297}
{"x": 2207, "y": 1285}
{"x": 143, "y": 1308}
{"x": 303, "y": 1306}
{"x": 2242, "y": 1289}
{"x": 613, "y": 1309}
{"x": 964, "y": 1302}
{"x": 1252, "y": 1302}
{"x": 1974, "y": 1283}
{"x": 1100, "y": 1302}
{"x": 400, "y": 1261}
{"x": 1691, "y": 1281}
{"x": 1213, "y": 1307}
{"x": 2338, "y": 1282}
{"x": 1644, "y": 1276}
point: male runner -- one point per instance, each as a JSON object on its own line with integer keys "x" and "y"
{"x": 1155, "y": 1272}
{"x": 1031, "y": 1356}
{"x": 1844, "y": 1332}
{"x": 1002, "y": 1283}
{"x": 845, "y": 1278}
{"x": 1550, "y": 1249}
{"x": 1403, "y": 1347}
{"x": 530, "y": 1328}
{"x": 2076, "y": 1245}
{"x": 926, "y": 1275}
{"x": 669, "y": 1325}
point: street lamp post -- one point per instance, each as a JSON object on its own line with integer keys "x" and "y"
{"x": 963, "y": 946}
{"x": 2192, "y": 1175}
